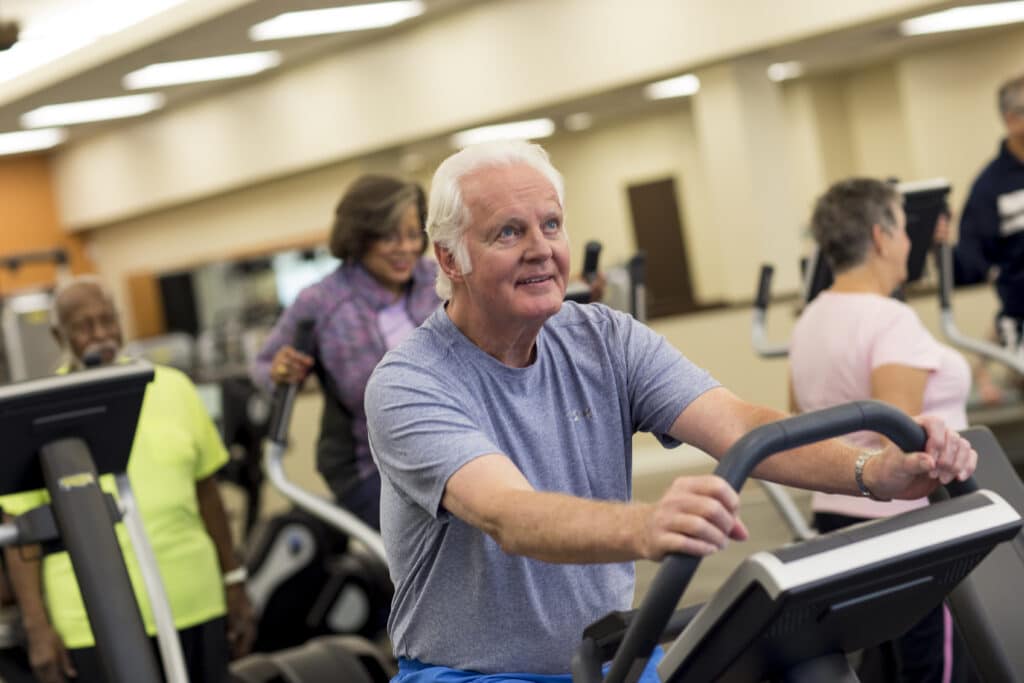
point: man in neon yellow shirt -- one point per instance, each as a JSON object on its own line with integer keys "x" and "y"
{"x": 175, "y": 453}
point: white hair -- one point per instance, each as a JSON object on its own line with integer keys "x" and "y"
{"x": 448, "y": 216}
{"x": 61, "y": 291}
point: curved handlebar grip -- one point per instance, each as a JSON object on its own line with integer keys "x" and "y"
{"x": 764, "y": 286}
{"x": 304, "y": 336}
{"x": 284, "y": 395}
{"x": 800, "y": 430}
{"x": 736, "y": 465}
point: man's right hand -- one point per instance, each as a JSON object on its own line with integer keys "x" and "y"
{"x": 696, "y": 516}
{"x": 47, "y": 656}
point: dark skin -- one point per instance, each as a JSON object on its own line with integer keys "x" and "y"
{"x": 89, "y": 326}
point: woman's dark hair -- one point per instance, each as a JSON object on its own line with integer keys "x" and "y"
{"x": 844, "y": 216}
{"x": 370, "y": 210}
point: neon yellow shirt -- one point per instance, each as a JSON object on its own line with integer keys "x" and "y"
{"x": 176, "y": 444}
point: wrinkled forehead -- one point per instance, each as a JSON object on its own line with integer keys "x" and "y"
{"x": 492, "y": 189}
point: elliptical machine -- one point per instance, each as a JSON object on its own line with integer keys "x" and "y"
{"x": 792, "y": 614}
{"x": 324, "y": 559}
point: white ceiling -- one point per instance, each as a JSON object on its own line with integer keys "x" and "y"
{"x": 179, "y": 29}
{"x": 186, "y": 29}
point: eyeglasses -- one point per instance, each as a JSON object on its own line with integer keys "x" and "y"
{"x": 394, "y": 239}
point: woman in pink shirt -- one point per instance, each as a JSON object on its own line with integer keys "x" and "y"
{"x": 855, "y": 341}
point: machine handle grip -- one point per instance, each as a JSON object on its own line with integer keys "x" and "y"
{"x": 764, "y": 286}
{"x": 284, "y": 394}
{"x": 591, "y": 256}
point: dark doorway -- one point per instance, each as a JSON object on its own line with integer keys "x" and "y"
{"x": 179, "y": 302}
{"x": 659, "y": 233}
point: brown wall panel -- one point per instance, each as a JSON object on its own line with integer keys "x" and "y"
{"x": 29, "y": 222}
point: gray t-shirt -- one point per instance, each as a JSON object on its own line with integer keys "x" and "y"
{"x": 436, "y": 402}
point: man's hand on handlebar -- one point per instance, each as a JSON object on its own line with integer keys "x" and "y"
{"x": 947, "y": 456}
{"x": 696, "y": 516}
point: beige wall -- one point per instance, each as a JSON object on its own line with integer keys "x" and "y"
{"x": 950, "y": 103}
{"x": 488, "y": 62}
{"x": 926, "y": 114}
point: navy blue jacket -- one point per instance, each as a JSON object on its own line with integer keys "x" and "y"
{"x": 992, "y": 231}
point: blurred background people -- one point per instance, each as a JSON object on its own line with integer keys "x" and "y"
{"x": 855, "y": 341}
{"x": 383, "y": 289}
{"x": 174, "y": 457}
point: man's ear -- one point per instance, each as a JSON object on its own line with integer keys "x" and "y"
{"x": 446, "y": 259}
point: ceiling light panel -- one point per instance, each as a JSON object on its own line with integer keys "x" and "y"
{"x": 680, "y": 86}
{"x": 336, "y": 20}
{"x": 581, "y": 120}
{"x": 964, "y": 18}
{"x": 49, "y": 35}
{"x": 532, "y": 129}
{"x": 784, "y": 71}
{"x": 199, "y": 70}
{"x": 70, "y": 113}
{"x": 31, "y": 140}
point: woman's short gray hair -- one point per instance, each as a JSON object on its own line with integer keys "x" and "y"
{"x": 448, "y": 216}
{"x": 844, "y": 215}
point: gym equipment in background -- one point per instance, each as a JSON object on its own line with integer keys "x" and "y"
{"x": 62, "y": 433}
{"x": 317, "y": 570}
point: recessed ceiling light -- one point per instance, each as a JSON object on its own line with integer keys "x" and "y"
{"x": 70, "y": 26}
{"x": 31, "y": 140}
{"x": 784, "y": 71}
{"x": 581, "y": 120}
{"x": 199, "y": 70}
{"x": 963, "y": 18}
{"x": 531, "y": 129}
{"x": 85, "y": 111}
{"x": 336, "y": 20}
{"x": 680, "y": 86}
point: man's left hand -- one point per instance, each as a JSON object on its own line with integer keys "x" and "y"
{"x": 947, "y": 456}
{"x": 241, "y": 620}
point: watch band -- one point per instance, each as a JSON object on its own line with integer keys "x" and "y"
{"x": 858, "y": 475}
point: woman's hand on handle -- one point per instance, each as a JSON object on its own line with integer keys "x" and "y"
{"x": 290, "y": 366}
{"x": 696, "y": 516}
{"x": 947, "y": 456}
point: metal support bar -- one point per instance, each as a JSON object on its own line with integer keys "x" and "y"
{"x": 166, "y": 632}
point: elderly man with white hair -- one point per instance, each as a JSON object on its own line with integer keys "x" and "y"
{"x": 175, "y": 455}
{"x": 502, "y": 430}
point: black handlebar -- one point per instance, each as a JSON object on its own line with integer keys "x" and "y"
{"x": 944, "y": 267}
{"x": 764, "y": 287}
{"x": 591, "y": 255}
{"x": 735, "y": 466}
{"x": 284, "y": 394}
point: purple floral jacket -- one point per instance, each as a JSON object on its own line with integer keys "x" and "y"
{"x": 348, "y": 343}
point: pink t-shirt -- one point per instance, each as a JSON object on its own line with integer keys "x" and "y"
{"x": 839, "y": 340}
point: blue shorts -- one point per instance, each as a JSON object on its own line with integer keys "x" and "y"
{"x": 414, "y": 671}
